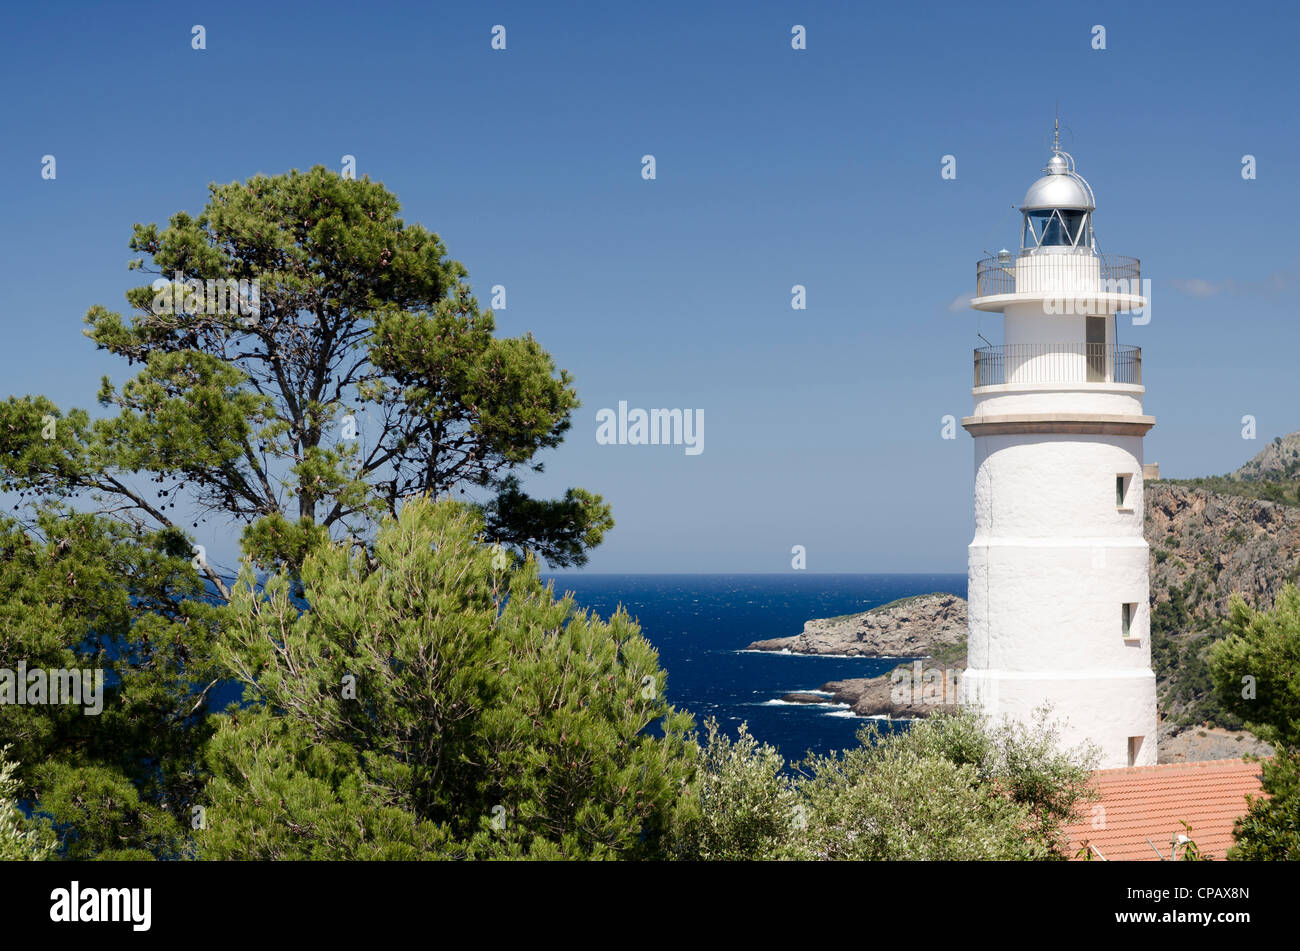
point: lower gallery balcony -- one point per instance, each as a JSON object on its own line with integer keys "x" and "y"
{"x": 1017, "y": 363}
{"x": 1080, "y": 388}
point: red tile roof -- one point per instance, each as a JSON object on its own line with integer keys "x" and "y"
{"x": 1142, "y": 801}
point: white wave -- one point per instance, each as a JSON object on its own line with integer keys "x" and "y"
{"x": 786, "y": 652}
{"x": 792, "y": 703}
{"x": 874, "y": 716}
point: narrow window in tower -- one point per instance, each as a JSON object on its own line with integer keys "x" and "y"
{"x": 1128, "y": 614}
{"x": 1134, "y": 748}
{"x": 1098, "y": 366}
{"x": 1123, "y": 482}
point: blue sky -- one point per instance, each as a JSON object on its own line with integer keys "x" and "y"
{"x": 775, "y": 167}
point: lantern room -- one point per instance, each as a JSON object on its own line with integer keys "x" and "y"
{"x": 1058, "y": 210}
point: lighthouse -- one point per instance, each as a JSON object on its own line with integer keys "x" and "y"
{"x": 1058, "y": 570}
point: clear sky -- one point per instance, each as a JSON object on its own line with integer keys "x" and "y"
{"x": 774, "y": 167}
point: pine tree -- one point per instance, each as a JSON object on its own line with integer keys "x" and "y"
{"x": 360, "y": 373}
{"x": 438, "y": 701}
{"x": 308, "y": 361}
{"x": 1254, "y": 670}
{"x": 84, "y": 594}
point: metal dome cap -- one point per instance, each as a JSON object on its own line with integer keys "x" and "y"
{"x": 1061, "y": 187}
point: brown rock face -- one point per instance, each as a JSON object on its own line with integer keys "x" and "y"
{"x": 806, "y": 698}
{"x": 910, "y": 627}
{"x": 881, "y": 696}
{"x": 1279, "y": 459}
{"x": 1211, "y": 545}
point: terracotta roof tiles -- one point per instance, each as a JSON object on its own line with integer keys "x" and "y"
{"x": 1148, "y": 801}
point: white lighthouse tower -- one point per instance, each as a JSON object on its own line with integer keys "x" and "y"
{"x": 1058, "y": 579}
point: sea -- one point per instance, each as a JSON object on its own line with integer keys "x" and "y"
{"x": 701, "y": 625}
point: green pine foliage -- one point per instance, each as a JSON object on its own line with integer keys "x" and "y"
{"x": 81, "y": 592}
{"x": 368, "y": 375}
{"x": 1270, "y": 829}
{"x": 363, "y": 374}
{"x": 1254, "y": 671}
{"x": 438, "y": 702}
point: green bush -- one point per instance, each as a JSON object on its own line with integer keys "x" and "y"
{"x": 951, "y": 787}
{"x": 1254, "y": 674}
{"x": 743, "y": 805}
{"x": 20, "y": 839}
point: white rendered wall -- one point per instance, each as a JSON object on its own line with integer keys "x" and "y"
{"x": 1117, "y": 399}
{"x": 1103, "y": 711}
{"x": 1054, "y": 559}
{"x": 1063, "y": 272}
{"x": 1057, "y": 487}
{"x": 1052, "y": 563}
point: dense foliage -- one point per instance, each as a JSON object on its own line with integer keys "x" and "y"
{"x": 951, "y": 787}
{"x": 437, "y": 703}
{"x": 352, "y": 370}
{"x": 19, "y": 840}
{"x": 1254, "y": 670}
{"x": 82, "y": 592}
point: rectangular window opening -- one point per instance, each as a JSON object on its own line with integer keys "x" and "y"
{"x": 1128, "y": 615}
{"x": 1095, "y": 335}
{"x": 1123, "y": 482}
{"x": 1134, "y": 748}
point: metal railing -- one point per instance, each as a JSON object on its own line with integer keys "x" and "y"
{"x": 1058, "y": 363}
{"x": 997, "y": 274}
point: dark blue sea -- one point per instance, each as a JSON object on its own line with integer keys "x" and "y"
{"x": 701, "y": 624}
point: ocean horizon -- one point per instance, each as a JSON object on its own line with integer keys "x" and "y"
{"x": 701, "y": 625}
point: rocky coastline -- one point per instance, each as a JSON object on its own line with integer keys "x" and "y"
{"x": 927, "y": 634}
{"x": 909, "y": 627}
{"x": 925, "y": 627}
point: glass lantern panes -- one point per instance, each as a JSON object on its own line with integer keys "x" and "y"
{"x": 1055, "y": 228}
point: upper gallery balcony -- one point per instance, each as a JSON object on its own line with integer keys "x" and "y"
{"x": 1076, "y": 279}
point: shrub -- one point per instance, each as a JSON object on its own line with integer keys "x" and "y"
{"x": 20, "y": 839}
{"x": 953, "y": 786}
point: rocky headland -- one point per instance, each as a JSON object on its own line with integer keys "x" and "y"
{"x": 930, "y": 626}
{"x": 909, "y": 627}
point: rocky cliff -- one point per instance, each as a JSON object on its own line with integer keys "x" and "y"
{"x": 1279, "y": 460}
{"x": 1207, "y": 545}
{"x": 1204, "y": 547}
{"x": 928, "y": 625}
{"x": 910, "y": 627}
